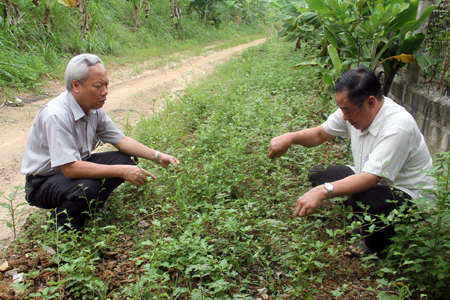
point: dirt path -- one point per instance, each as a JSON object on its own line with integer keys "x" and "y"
{"x": 140, "y": 94}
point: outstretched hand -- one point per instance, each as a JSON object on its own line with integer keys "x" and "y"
{"x": 165, "y": 160}
{"x": 310, "y": 201}
{"x": 279, "y": 145}
{"x": 136, "y": 175}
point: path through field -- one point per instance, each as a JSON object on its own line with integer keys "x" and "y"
{"x": 139, "y": 94}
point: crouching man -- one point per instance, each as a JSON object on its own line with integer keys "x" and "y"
{"x": 61, "y": 171}
{"x": 389, "y": 154}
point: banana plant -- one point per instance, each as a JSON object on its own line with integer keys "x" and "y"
{"x": 48, "y": 5}
{"x": 364, "y": 32}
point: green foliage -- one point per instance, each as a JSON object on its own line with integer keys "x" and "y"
{"x": 223, "y": 227}
{"x": 228, "y": 215}
{"x": 419, "y": 258}
{"x": 12, "y": 210}
{"x": 364, "y": 32}
{"x": 29, "y": 52}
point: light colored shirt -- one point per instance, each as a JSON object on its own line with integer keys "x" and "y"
{"x": 392, "y": 147}
{"x": 62, "y": 133}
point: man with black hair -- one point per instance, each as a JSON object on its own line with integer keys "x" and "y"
{"x": 388, "y": 149}
{"x": 61, "y": 170}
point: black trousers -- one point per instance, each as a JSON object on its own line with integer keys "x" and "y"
{"x": 376, "y": 198}
{"x": 75, "y": 196}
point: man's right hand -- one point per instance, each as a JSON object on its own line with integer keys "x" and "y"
{"x": 279, "y": 145}
{"x": 136, "y": 175}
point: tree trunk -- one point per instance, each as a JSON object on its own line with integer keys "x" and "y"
{"x": 175, "y": 12}
{"x": 147, "y": 9}
{"x": 6, "y": 13}
{"x": 85, "y": 16}
{"x": 444, "y": 66}
{"x": 135, "y": 17}
{"x": 48, "y": 19}
{"x": 237, "y": 18}
{"x": 172, "y": 15}
{"x": 413, "y": 69}
{"x": 298, "y": 45}
{"x": 11, "y": 13}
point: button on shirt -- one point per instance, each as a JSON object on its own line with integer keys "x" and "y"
{"x": 62, "y": 133}
{"x": 392, "y": 147}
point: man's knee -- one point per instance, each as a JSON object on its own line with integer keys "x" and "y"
{"x": 125, "y": 159}
{"x": 313, "y": 173}
{"x": 113, "y": 158}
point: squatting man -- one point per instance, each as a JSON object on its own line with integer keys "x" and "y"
{"x": 61, "y": 170}
{"x": 388, "y": 150}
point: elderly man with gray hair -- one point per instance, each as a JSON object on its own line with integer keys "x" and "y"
{"x": 61, "y": 170}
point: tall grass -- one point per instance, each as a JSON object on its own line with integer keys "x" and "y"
{"x": 28, "y": 51}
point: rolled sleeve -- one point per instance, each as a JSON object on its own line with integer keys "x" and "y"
{"x": 335, "y": 125}
{"x": 107, "y": 131}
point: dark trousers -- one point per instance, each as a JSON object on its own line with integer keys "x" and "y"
{"x": 75, "y": 196}
{"x": 376, "y": 198}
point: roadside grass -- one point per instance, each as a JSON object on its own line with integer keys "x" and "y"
{"x": 31, "y": 55}
{"x": 223, "y": 227}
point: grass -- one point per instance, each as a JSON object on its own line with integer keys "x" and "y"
{"x": 31, "y": 55}
{"x": 223, "y": 227}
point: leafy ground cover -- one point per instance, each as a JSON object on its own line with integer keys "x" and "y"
{"x": 223, "y": 227}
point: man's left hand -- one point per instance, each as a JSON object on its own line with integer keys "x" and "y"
{"x": 310, "y": 201}
{"x": 165, "y": 160}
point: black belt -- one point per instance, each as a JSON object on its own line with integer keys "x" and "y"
{"x": 31, "y": 177}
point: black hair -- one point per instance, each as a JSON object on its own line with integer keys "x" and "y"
{"x": 360, "y": 84}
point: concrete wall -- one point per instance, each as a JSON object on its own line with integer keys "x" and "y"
{"x": 431, "y": 111}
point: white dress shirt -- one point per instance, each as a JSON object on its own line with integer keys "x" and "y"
{"x": 392, "y": 147}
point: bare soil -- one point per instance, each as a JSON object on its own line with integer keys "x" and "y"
{"x": 131, "y": 95}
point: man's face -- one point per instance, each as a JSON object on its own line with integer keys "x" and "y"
{"x": 92, "y": 94}
{"x": 360, "y": 118}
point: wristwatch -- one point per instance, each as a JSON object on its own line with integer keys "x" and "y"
{"x": 330, "y": 188}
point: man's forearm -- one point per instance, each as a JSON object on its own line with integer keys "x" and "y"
{"x": 132, "y": 147}
{"x": 310, "y": 137}
{"x": 85, "y": 169}
{"x": 309, "y": 202}
{"x": 355, "y": 184}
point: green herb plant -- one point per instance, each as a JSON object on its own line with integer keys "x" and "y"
{"x": 13, "y": 211}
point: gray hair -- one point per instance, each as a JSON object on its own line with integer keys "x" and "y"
{"x": 78, "y": 68}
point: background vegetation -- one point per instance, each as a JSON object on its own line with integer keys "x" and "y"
{"x": 370, "y": 33}
{"x": 32, "y": 52}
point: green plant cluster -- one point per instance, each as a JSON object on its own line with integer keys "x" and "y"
{"x": 436, "y": 43}
{"x": 223, "y": 227}
{"x": 419, "y": 256}
{"x": 356, "y": 33}
{"x": 30, "y": 52}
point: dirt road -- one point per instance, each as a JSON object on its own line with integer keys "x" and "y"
{"x": 139, "y": 93}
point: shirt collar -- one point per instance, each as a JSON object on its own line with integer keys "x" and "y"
{"x": 77, "y": 112}
{"x": 374, "y": 127}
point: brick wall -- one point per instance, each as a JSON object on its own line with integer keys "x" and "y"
{"x": 431, "y": 111}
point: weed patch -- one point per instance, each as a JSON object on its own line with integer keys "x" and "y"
{"x": 224, "y": 226}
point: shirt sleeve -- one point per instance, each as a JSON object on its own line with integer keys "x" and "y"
{"x": 389, "y": 154}
{"x": 335, "y": 125}
{"x": 61, "y": 142}
{"x": 107, "y": 131}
